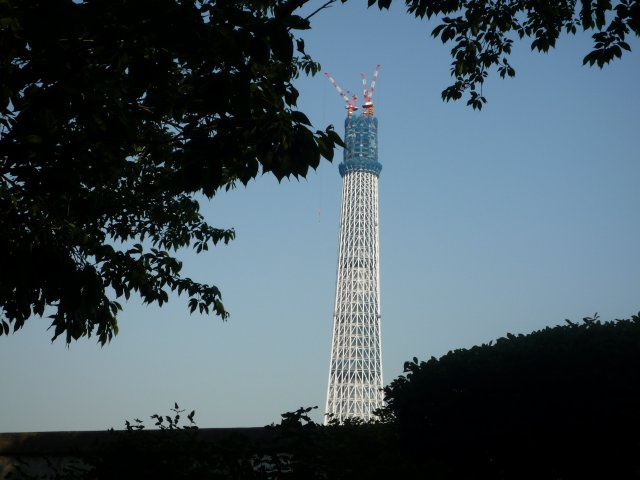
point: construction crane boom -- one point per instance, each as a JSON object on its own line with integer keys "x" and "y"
{"x": 351, "y": 102}
{"x": 367, "y": 93}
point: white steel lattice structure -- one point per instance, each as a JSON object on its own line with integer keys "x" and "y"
{"x": 355, "y": 368}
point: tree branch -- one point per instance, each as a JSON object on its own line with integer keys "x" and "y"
{"x": 326, "y": 5}
{"x": 289, "y": 7}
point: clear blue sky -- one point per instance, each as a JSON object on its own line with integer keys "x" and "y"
{"x": 505, "y": 220}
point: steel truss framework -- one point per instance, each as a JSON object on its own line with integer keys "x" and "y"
{"x": 355, "y": 369}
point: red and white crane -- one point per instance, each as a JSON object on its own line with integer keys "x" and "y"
{"x": 351, "y": 102}
{"x": 367, "y": 92}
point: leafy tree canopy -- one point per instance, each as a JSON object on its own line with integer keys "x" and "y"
{"x": 557, "y": 403}
{"x": 113, "y": 115}
{"x": 483, "y": 31}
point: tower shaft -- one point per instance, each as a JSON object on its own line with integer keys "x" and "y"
{"x": 355, "y": 369}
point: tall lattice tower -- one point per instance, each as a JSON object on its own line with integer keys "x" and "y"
{"x": 355, "y": 368}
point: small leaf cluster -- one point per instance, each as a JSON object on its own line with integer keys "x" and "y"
{"x": 114, "y": 117}
{"x": 354, "y": 449}
{"x": 483, "y": 31}
{"x": 172, "y": 450}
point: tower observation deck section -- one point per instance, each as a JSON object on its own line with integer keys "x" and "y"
{"x": 355, "y": 368}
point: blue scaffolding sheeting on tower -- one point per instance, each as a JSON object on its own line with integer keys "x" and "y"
{"x": 361, "y": 139}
